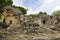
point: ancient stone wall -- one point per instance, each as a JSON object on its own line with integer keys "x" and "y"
{"x": 16, "y": 26}
{"x": 39, "y": 23}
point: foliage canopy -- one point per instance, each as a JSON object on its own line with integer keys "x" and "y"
{"x": 43, "y": 13}
{"x": 21, "y": 8}
{"x": 56, "y": 12}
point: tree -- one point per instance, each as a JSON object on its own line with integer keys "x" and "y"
{"x": 9, "y": 2}
{"x": 21, "y": 9}
{"x": 56, "y": 12}
{"x": 43, "y": 13}
{"x": 33, "y": 15}
{"x": 5, "y": 2}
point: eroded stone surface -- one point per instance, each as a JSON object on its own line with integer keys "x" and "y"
{"x": 25, "y": 27}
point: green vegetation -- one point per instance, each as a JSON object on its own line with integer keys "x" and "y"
{"x": 0, "y": 16}
{"x": 43, "y": 13}
{"x": 5, "y": 2}
{"x": 9, "y": 2}
{"x": 21, "y": 8}
{"x": 33, "y": 15}
{"x": 56, "y": 12}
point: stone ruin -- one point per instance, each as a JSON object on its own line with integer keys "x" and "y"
{"x": 13, "y": 21}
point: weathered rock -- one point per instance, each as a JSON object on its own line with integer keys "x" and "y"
{"x": 16, "y": 24}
